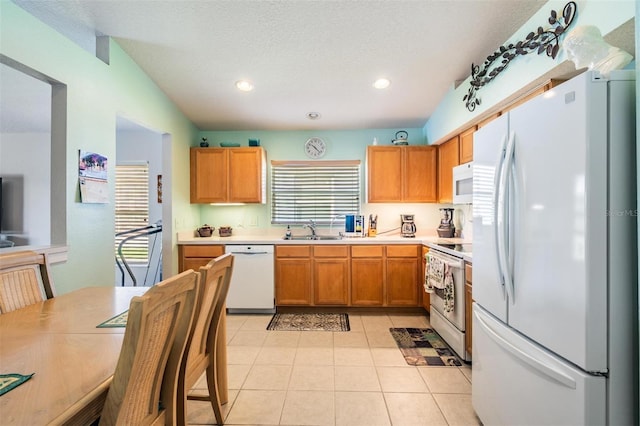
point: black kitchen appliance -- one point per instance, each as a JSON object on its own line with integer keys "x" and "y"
{"x": 446, "y": 228}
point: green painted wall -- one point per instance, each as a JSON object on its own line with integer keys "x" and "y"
{"x": 289, "y": 145}
{"x": 452, "y": 116}
{"x": 96, "y": 94}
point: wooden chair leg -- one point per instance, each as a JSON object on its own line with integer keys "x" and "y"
{"x": 214, "y": 391}
{"x": 220, "y": 361}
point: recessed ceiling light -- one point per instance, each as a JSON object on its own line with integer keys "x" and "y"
{"x": 381, "y": 83}
{"x": 244, "y": 85}
{"x": 313, "y": 115}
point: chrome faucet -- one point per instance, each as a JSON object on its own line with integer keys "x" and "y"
{"x": 312, "y": 226}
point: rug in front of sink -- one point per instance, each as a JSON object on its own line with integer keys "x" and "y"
{"x": 423, "y": 346}
{"x": 309, "y": 322}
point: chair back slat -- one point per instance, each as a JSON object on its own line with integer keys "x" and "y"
{"x": 24, "y": 280}
{"x": 144, "y": 386}
{"x": 202, "y": 346}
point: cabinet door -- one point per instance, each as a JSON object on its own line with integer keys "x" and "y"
{"x": 468, "y": 304}
{"x": 208, "y": 175}
{"x": 426, "y": 297}
{"x": 195, "y": 256}
{"x": 331, "y": 281}
{"x": 420, "y": 174}
{"x": 448, "y": 158}
{"x": 468, "y": 339}
{"x": 384, "y": 174}
{"x": 245, "y": 175}
{"x": 402, "y": 281}
{"x": 293, "y": 281}
{"x": 367, "y": 281}
{"x": 466, "y": 145}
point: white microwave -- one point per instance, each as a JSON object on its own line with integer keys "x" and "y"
{"x": 463, "y": 184}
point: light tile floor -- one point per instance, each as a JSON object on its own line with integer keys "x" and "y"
{"x": 335, "y": 378}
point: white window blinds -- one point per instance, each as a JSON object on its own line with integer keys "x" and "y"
{"x": 314, "y": 190}
{"x": 132, "y": 209}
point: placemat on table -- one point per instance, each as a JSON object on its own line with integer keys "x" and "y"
{"x": 119, "y": 320}
{"x": 11, "y": 381}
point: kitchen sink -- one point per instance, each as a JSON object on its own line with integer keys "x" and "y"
{"x": 313, "y": 237}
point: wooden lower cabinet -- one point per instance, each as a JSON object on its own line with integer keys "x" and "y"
{"x": 194, "y": 256}
{"x": 330, "y": 275}
{"x": 402, "y": 267}
{"x": 367, "y": 275}
{"x": 348, "y": 275}
{"x": 468, "y": 300}
{"x": 293, "y": 275}
{"x": 426, "y": 298}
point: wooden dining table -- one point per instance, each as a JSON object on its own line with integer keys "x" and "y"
{"x": 73, "y": 361}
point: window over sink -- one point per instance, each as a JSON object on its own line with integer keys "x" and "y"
{"x": 314, "y": 190}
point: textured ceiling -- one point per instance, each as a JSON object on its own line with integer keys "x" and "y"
{"x": 301, "y": 55}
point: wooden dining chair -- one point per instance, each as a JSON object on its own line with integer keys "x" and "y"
{"x": 24, "y": 280}
{"x": 144, "y": 386}
{"x": 205, "y": 343}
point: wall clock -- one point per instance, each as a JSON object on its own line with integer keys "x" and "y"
{"x": 315, "y": 148}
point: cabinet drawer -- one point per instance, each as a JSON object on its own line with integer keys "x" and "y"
{"x": 208, "y": 251}
{"x": 331, "y": 251}
{"x": 467, "y": 272}
{"x": 293, "y": 251}
{"x": 402, "y": 251}
{"x": 366, "y": 251}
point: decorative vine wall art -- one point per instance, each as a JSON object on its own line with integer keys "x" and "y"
{"x": 538, "y": 41}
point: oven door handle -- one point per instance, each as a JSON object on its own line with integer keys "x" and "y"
{"x": 455, "y": 264}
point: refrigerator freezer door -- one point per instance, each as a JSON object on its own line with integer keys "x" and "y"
{"x": 560, "y": 230}
{"x": 516, "y": 382}
{"x": 488, "y": 145}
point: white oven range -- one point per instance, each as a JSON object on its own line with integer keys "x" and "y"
{"x": 449, "y": 321}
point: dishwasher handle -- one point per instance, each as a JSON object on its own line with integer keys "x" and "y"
{"x": 249, "y": 253}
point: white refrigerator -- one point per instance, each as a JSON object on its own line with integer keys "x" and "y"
{"x": 555, "y": 339}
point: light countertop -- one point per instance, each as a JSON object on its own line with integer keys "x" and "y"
{"x": 428, "y": 240}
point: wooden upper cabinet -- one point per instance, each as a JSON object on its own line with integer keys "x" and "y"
{"x": 246, "y": 175}
{"x": 401, "y": 174}
{"x": 420, "y": 174}
{"x": 209, "y": 175}
{"x": 448, "y": 158}
{"x": 466, "y": 145}
{"x": 487, "y": 120}
{"x": 228, "y": 175}
{"x": 384, "y": 174}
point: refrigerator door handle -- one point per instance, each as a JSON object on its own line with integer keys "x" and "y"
{"x": 496, "y": 203}
{"x": 502, "y": 225}
{"x": 538, "y": 365}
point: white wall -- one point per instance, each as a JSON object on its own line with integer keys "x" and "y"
{"x": 143, "y": 146}
{"x": 26, "y": 156}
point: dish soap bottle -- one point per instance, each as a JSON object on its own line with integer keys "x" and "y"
{"x": 287, "y": 235}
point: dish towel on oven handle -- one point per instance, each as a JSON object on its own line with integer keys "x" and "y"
{"x": 449, "y": 292}
{"x": 434, "y": 274}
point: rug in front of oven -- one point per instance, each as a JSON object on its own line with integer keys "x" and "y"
{"x": 423, "y": 346}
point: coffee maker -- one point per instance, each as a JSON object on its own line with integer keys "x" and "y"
{"x": 446, "y": 228}
{"x": 407, "y": 227}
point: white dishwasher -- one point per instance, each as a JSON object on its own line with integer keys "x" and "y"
{"x": 252, "y": 287}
